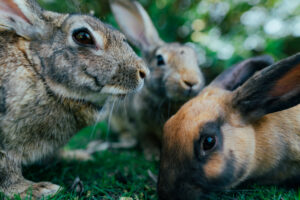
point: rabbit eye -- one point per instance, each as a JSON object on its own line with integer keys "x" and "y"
{"x": 83, "y": 37}
{"x": 160, "y": 60}
{"x": 208, "y": 143}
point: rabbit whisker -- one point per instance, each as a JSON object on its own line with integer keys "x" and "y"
{"x": 96, "y": 123}
{"x": 109, "y": 119}
{"x": 124, "y": 105}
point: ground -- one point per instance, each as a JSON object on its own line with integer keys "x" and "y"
{"x": 124, "y": 173}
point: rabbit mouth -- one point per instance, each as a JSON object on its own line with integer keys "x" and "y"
{"x": 115, "y": 91}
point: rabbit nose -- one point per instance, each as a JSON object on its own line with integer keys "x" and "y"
{"x": 142, "y": 74}
{"x": 190, "y": 84}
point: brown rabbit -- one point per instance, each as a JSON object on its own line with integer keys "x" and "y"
{"x": 240, "y": 128}
{"x": 57, "y": 72}
{"x": 175, "y": 77}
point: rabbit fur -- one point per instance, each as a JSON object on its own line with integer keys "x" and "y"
{"x": 244, "y": 127}
{"x": 57, "y": 73}
{"x": 175, "y": 78}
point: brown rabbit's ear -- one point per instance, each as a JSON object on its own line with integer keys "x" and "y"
{"x": 136, "y": 24}
{"x": 273, "y": 89}
{"x": 235, "y": 76}
{"x": 22, "y": 16}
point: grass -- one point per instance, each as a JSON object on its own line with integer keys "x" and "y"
{"x": 112, "y": 175}
{"x": 123, "y": 173}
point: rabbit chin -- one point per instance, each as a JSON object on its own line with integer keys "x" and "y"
{"x": 179, "y": 96}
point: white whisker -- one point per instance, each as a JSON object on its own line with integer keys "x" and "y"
{"x": 109, "y": 119}
{"x": 97, "y": 121}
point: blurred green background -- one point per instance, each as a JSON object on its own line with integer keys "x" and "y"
{"x": 223, "y": 31}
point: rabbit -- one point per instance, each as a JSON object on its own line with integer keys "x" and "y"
{"x": 243, "y": 127}
{"x": 174, "y": 78}
{"x": 58, "y": 71}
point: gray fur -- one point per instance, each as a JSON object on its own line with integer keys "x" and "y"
{"x": 50, "y": 88}
{"x": 168, "y": 86}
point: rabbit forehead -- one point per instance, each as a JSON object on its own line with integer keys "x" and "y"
{"x": 207, "y": 113}
{"x": 183, "y": 128}
{"x": 93, "y": 23}
{"x": 179, "y": 56}
{"x": 84, "y": 20}
{"x": 176, "y": 48}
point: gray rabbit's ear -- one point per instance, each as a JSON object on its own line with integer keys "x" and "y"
{"x": 136, "y": 24}
{"x": 22, "y": 16}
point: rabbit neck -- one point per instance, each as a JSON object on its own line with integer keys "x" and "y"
{"x": 278, "y": 146}
{"x": 155, "y": 99}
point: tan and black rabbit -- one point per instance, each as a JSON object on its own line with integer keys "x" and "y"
{"x": 56, "y": 73}
{"x": 241, "y": 128}
{"x": 175, "y": 77}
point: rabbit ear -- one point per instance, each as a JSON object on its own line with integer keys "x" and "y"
{"x": 136, "y": 24}
{"x": 235, "y": 76}
{"x": 272, "y": 89}
{"x": 22, "y": 16}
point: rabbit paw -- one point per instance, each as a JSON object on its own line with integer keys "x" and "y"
{"x": 79, "y": 155}
{"x": 39, "y": 190}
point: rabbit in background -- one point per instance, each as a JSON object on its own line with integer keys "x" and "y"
{"x": 243, "y": 127}
{"x": 175, "y": 77}
{"x": 58, "y": 71}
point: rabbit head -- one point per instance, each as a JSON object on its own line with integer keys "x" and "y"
{"x": 175, "y": 73}
{"x": 77, "y": 56}
{"x": 217, "y": 140}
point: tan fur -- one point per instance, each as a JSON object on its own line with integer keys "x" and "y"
{"x": 264, "y": 149}
{"x": 214, "y": 166}
{"x": 279, "y": 140}
{"x": 11, "y": 6}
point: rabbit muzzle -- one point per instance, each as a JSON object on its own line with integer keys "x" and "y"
{"x": 180, "y": 88}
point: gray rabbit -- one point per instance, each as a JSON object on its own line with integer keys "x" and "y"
{"x": 175, "y": 77}
{"x": 57, "y": 73}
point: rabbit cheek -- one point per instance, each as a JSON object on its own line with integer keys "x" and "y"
{"x": 218, "y": 173}
{"x": 214, "y": 167}
{"x": 125, "y": 79}
{"x": 173, "y": 89}
{"x": 155, "y": 82}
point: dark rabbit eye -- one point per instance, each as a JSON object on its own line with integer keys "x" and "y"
{"x": 208, "y": 143}
{"x": 160, "y": 60}
{"x": 83, "y": 37}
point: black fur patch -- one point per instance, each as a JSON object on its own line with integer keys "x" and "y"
{"x": 209, "y": 129}
{"x": 2, "y": 100}
{"x": 254, "y": 99}
{"x": 235, "y": 76}
{"x": 195, "y": 176}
